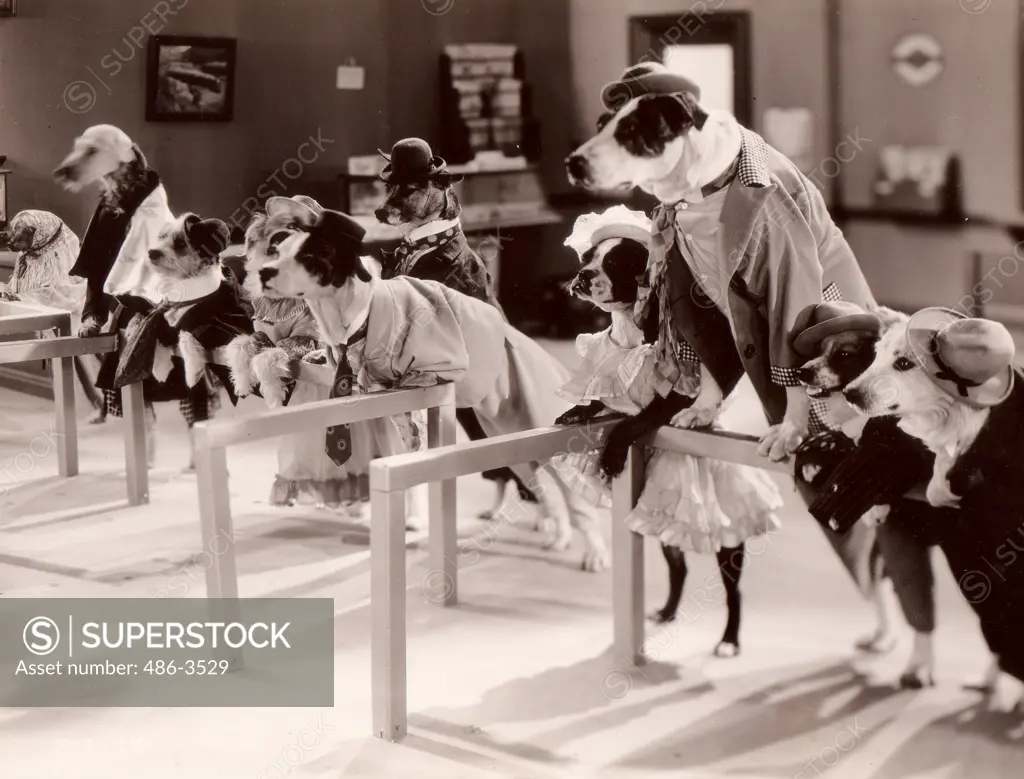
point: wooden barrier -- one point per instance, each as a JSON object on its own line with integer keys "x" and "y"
{"x": 213, "y": 437}
{"x": 17, "y": 318}
{"x": 391, "y": 475}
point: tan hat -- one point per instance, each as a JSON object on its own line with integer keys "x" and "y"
{"x": 817, "y": 322}
{"x": 969, "y": 359}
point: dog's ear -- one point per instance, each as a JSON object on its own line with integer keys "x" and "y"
{"x": 209, "y": 237}
{"x": 680, "y": 111}
{"x": 335, "y": 229}
{"x": 140, "y": 158}
{"x": 452, "y": 208}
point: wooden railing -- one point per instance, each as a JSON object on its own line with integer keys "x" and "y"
{"x": 17, "y": 318}
{"x": 389, "y": 477}
{"x": 212, "y": 438}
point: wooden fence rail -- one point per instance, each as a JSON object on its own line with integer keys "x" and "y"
{"x": 390, "y": 476}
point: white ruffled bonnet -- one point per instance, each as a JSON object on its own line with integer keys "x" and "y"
{"x": 616, "y": 222}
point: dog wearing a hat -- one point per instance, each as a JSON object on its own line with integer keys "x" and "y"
{"x": 951, "y": 381}
{"x": 742, "y": 243}
{"x": 406, "y": 332}
{"x": 421, "y": 202}
{"x": 857, "y": 489}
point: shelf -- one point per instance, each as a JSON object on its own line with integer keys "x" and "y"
{"x": 459, "y": 170}
{"x": 379, "y": 233}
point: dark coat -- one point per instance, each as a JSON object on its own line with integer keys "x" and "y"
{"x": 453, "y": 264}
{"x": 214, "y": 321}
{"x": 986, "y": 542}
{"x": 103, "y": 238}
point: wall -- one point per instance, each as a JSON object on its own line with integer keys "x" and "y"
{"x": 973, "y": 108}
{"x": 789, "y": 55}
{"x": 288, "y": 51}
{"x": 53, "y": 43}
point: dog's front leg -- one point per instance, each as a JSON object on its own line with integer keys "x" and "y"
{"x": 658, "y": 414}
{"x": 706, "y": 406}
{"x": 577, "y": 415}
{"x": 194, "y": 355}
{"x": 783, "y": 439}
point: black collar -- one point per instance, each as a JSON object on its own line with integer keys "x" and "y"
{"x": 722, "y": 181}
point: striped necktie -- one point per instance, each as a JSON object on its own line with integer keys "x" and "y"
{"x": 338, "y": 442}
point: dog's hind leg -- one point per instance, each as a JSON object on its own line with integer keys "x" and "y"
{"x": 730, "y": 565}
{"x": 677, "y": 570}
{"x": 95, "y": 398}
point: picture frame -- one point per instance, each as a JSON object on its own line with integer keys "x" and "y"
{"x": 190, "y": 79}
{"x": 8, "y": 8}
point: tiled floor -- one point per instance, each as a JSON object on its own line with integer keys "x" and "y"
{"x": 516, "y": 681}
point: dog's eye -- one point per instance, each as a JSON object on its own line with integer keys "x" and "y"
{"x": 904, "y": 364}
{"x": 278, "y": 238}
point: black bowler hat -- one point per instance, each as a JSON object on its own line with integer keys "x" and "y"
{"x": 648, "y": 78}
{"x": 411, "y": 159}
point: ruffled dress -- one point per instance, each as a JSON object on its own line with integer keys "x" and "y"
{"x": 693, "y": 503}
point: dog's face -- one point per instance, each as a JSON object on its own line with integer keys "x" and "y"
{"x": 188, "y": 246}
{"x": 19, "y": 235}
{"x": 266, "y": 233}
{"x": 643, "y": 142}
{"x": 894, "y": 383}
{"x": 314, "y": 262}
{"x": 414, "y": 203}
{"x": 610, "y": 274}
{"x": 844, "y": 357}
{"x": 97, "y": 153}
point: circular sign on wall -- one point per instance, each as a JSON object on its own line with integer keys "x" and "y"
{"x": 917, "y": 59}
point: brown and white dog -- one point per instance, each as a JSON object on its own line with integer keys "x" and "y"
{"x": 421, "y": 332}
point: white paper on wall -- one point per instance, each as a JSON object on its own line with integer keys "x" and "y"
{"x": 791, "y": 131}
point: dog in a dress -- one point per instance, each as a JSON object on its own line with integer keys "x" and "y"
{"x": 689, "y": 504}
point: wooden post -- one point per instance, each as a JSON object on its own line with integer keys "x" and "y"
{"x": 442, "y": 580}
{"x": 215, "y": 516}
{"x": 628, "y": 564}
{"x": 387, "y": 610}
{"x": 136, "y": 465}
{"x": 64, "y": 401}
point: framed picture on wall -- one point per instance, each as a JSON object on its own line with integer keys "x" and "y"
{"x": 8, "y": 8}
{"x": 190, "y": 79}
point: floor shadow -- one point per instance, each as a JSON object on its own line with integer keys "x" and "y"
{"x": 760, "y": 720}
{"x": 980, "y": 742}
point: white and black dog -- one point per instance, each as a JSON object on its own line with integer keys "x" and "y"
{"x": 415, "y": 333}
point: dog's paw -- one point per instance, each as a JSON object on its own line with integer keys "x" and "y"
{"x": 89, "y": 328}
{"x": 194, "y": 355}
{"x": 546, "y": 525}
{"x": 5, "y": 295}
{"x": 612, "y": 461}
{"x": 696, "y": 416}
{"x": 240, "y": 352}
{"x": 781, "y": 441}
{"x": 939, "y": 493}
{"x": 596, "y": 559}
{"x": 561, "y": 538}
{"x": 1007, "y": 694}
{"x": 271, "y": 369}
{"x": 316, "y": 357}
{"x": 575, "y": 416}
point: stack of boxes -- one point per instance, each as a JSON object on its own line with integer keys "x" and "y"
{"x": 484, "y": 103}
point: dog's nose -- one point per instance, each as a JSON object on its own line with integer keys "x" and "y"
{"x": 62, "y": 173}
{"x": 854, "y": 396}
{"x": 266, "y": 274}
{"x": 155, "y": 254}
{"x": 576, "y": 166}
{"x": 381, "y": 213}
{"x": 806, "y": 375}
